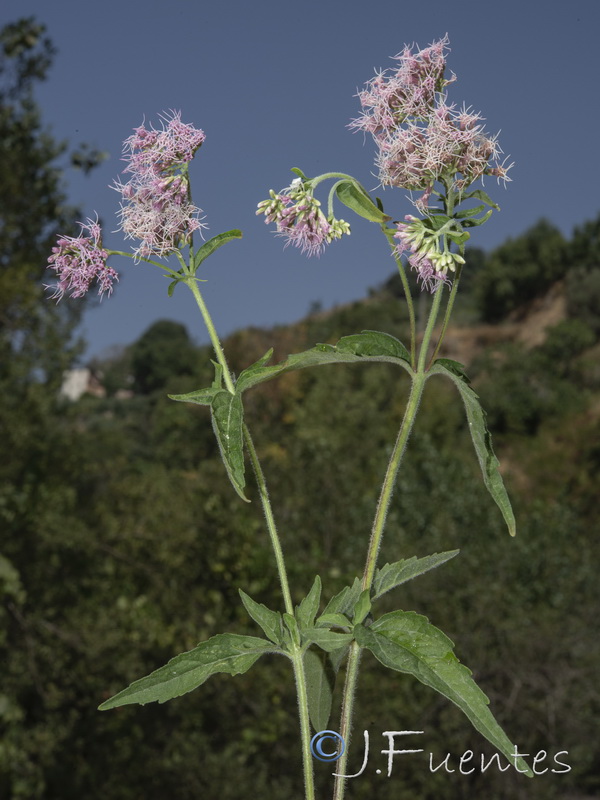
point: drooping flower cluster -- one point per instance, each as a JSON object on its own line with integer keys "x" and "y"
{"x": 80, "y": 260}
{"x": 422, "y": 245}
{"x": 156, "y": 207}
{"x": 421, "y": 139}
{"x": 298, "y": 216}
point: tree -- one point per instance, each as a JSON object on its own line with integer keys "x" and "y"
{"x": 519, "y": 270}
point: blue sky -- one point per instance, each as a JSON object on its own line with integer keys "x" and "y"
{"x": 273, "y": 86}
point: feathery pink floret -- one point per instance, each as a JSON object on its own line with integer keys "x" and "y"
{"x": 420, "y": 138}
{"x": 411, "y": 242}
{"x": 156, "y": 208}
{"x": 299, "y": 219}
{"x": 80, "y": 260}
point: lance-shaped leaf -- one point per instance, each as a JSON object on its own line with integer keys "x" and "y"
{"x": 270, "y": 621}
{"x": 365, "y": 346}
{"x": 227, "y": 417}
{"x": 344, "y": 601}
{"x": 326, "y": 639}
{"x": 407, "y": 642}
{"x": 226, "y": 652}
{"x": 320, "y": 675}
{"x": 208, "y": 248}
{"x": 482, "y": 439}
{"x": 203, "y": 397}
{"x": 479, "y": 194}
{"x": 307, "y": 610}
{"x": 392, "y": 575}
{"x": 354, "y": 196}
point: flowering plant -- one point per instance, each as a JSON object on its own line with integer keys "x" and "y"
{"x": 424, "y": 145}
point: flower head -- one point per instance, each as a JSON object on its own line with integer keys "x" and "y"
{"x": 420, "y": 138}
{"x": 299, "y": 218}
{"x": 80, "y": 260}
{"x": 421, "y": 243}
{"x": 156, "y": 206}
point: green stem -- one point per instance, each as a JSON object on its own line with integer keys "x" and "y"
{"x": 268, "y": 511}
{"x": 296, "y": 656}
{"x": 407, "y": 293}
{"x": 302, "y": 695}
{"x": 447, "y": 314}
{"x": 387, "y": 490}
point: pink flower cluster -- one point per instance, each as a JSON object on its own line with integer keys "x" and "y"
{"x": 298, "y": 216}
{"x": 156, "y": 207}
{"x": 412, "y": 241}
{"x": 422, "y": 139}
{"x": 80, "y": 260}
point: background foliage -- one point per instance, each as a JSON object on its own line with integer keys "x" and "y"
{"x": 123, "y": 544}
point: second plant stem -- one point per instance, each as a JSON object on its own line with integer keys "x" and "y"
{"x": 419, "y": 378}
{"x": 296, "y": 655}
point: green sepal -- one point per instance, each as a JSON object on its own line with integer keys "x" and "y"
{"x": 353, "y": 196}
{"x": 364, "y": 346}
{"x": 208, "y": 248}
{"x": 407, "y": 642}
{"x": 270, "y": 621}
{"x": 226, "y": 652}
{"x": 307, "y": 610}
{"x": 362, "y": 607}
{"x": 344, "y": 601}
{"x": 297, "y": 171}
{"x": 326, "y": 639}
{"x": 392, "y": 575}
{"x": 227, "y": 416}
{"x": 482, "y": 439}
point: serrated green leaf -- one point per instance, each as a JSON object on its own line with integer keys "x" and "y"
{"x": 307, "y": 610}
{"x": 392, "y": 575}
{"x": 469, "y": 212}
{"x": 202, "y": 397}
{"x": 208, "y": 248}
{"x": 270, "y": 621}
{"x": 344, "y": 601}
{"x": 407, "y": 642}
{"x": 471, "y": 223}
{"x": 292, "y": 626}
{"x": 227, "y": 416}
{"x": 326, "y": 639}
{"x": 365, "y": 347}
{"x": 373, "y": 343}
{"x": 479, "y": 194}
{"x": 320, "y": 683}
{"x": 226, "y": 652}
{"x": 356, "y": 199}
{"x": 482, "y": 439}
{"x": 333, "y": 620}
{"x": 362, "y": 607}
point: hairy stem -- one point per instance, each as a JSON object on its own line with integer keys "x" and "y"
{"x": 387, "y": 490}
{"x": 297, "y": 658}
